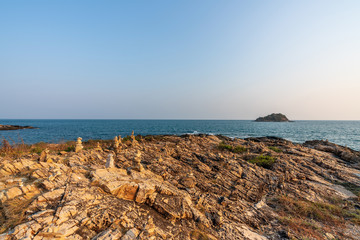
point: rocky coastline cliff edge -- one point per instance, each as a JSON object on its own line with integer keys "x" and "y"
{"x": 180, "y": 187}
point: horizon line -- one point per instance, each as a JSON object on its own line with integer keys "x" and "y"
{"x": 170, "y": 119}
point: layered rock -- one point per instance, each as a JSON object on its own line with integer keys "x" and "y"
{"x": 188, "y": 187}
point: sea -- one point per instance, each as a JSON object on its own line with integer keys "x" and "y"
{"x": 345, "y": 133}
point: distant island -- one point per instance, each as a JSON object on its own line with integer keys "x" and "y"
{"x": 14, "y": 127}
{"x": 274, "y": 117}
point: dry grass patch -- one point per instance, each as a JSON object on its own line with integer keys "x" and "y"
{"x": 313, "y": 219}
{"x": 17, "y": 150}
{"x": 12, "y": 213}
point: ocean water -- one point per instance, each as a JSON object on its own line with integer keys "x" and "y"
{"x": 346, "y": 133}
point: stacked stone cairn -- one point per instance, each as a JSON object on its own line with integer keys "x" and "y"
{"x": 79, "y": 145}
{"x": 116, "y": 142}
{"x": 137, "y": 162}
{"x": 110, "y": 161}
{"x": 98, "y": 147}
{"x": 134, "y": 142}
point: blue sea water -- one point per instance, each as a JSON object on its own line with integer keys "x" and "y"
{"x": 346, "y": 133}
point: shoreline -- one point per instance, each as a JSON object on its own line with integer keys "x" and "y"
{"x": 56, "y": 131}
{"x": 144, "y": 137}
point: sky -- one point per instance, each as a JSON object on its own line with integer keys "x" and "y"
{"x": 188, "y": 59}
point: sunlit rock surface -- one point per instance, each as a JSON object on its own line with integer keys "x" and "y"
{"x": 189, "y": 187}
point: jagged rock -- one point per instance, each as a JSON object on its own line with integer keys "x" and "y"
{"x": 13, "y": 193}
{"x": 131, "y": 234}
{"x": 109, "y": 234}
{"x": 344, "y": 153}
{"x": 144, "y": 192}
{"x": 188, "y": 181}
{"x": 44, "y": 155}
{"x": 196, "y": 191}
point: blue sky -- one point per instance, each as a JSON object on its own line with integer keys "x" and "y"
{"x": 179, "y": 59}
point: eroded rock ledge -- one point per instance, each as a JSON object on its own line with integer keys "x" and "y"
{"x": 189, "y": 187}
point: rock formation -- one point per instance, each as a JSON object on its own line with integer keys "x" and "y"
{"x": 79, "y": 145}
{"x": 110, "y": 161}
{"x": 132, "y": 136}
{"x": 116, "y": 142}
{"x": 98, "y": 147}
{"x": 44, "y": 155}
{"x": 14, "y": 127}
{"x": 273, "y": 189}
{"x": 137, "y": 162}
{"x": 134, "y": 142}
{"x": 274, "y": 117}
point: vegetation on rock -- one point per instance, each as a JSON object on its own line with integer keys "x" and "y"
{"x": 234, "y": 149}
{"x": 263, "y": 161}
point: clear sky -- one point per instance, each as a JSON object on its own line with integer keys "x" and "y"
{"x": 187, "y": 59}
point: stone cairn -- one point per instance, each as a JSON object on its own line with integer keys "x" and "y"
{"x": 110, "y": 161}
{"x": 137, "y": 162}
{"x": 134, "y": 142}
{"x": 98, "y": 147}
{"x": 79, "y": 145}
{"x": 116, "y": 142}
{"x": 120, "y": 142}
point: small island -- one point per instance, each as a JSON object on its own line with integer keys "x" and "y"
{"x": 14, "y": 127}
{"x": 274, "y": 117}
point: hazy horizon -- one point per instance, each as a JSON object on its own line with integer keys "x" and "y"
{"x": 169, "y": 119}
{"x": 232, "y": 60}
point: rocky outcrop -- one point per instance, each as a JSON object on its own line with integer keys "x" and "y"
{"x": 274, "y": 117}
{"x": 344, "y": 153}
{"x": 14, "y": 127}
{"x": 169, "y": 187}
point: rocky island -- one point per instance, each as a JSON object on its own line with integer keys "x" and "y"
{"x": 14, "y": 127}
{"x": 274, "y": 117}
{"x": 179, "y": 187}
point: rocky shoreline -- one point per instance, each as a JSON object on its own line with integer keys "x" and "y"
{"x": 14, "y": 127}
{"x": 180, "y": 187}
